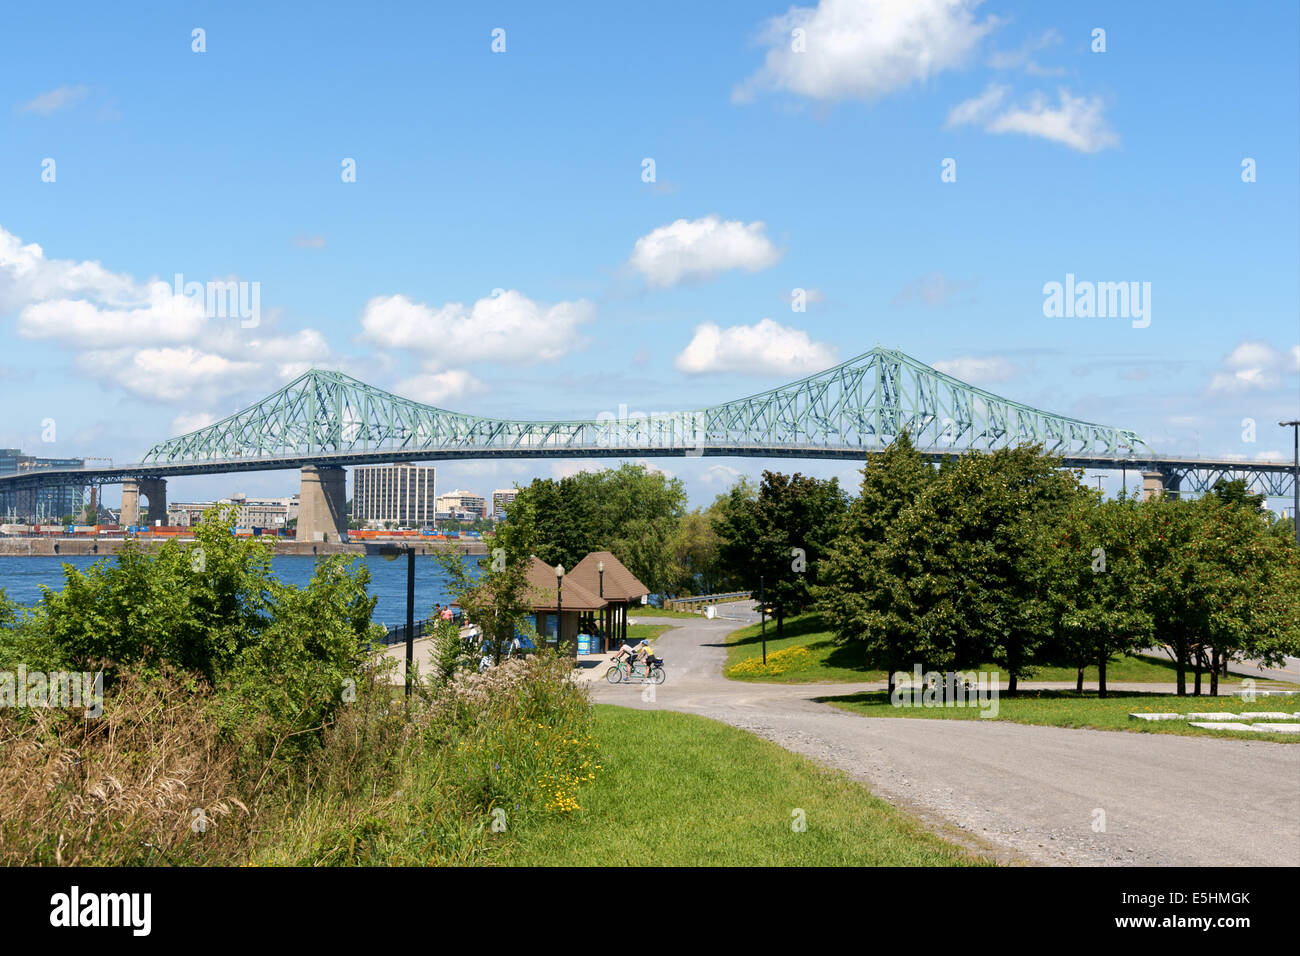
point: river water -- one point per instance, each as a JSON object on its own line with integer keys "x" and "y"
{"x": 22, "y": 578}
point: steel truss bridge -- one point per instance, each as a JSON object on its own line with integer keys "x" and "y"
{"x": 327, "y": 418}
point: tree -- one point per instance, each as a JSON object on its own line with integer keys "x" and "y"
{"x": 695, "y": 553}
{"x": 779, "y": 535}
{"x": 1087, "y": 566}
{"x": 964, "y": 550}
{"x": 858, "y": 587}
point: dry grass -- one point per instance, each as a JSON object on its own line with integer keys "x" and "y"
{"x": 121, "y": 789}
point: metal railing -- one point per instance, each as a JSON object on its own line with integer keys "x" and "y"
{"x": 703, "y": 600}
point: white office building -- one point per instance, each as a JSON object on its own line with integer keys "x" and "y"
{"x": 402, "y": 493}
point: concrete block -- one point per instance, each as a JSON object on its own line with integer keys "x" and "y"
{"x": 1264, "y": 715}
{"x": 1213, "y": 716}
{"x": 1157, "y": 717}
{"x": 1229, "y": 725}
{"x": 1277, "y": 728}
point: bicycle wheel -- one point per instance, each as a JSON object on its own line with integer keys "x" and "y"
{"x": 657, "y": 673}
{"x": 614, "y": 674}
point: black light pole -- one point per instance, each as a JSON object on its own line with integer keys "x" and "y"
{"x": 762, "y": 613}
{"x": 559, "y": 603}
{"x": 1295, "y": 478}
{"x": 600, "y": 570}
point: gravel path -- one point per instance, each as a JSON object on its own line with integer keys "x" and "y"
{"x": 1020, "y": 792}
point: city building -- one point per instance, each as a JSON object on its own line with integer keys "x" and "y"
{"x": 402, "y": 493}
{"x": 250, "y": 512}
{"x": 458, "y": 502}
{"x": 50, "y": 504}
{"x": 500, "y": 498}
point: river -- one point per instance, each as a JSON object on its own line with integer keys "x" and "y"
{"x": 22, "y": 578}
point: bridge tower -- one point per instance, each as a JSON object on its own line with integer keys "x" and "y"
{"x": 154, "y": 490}
{"x": 322, "y": 504}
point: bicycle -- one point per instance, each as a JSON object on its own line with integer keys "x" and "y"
{"x": 653, "y": 670}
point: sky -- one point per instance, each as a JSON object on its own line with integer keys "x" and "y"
{"x": 551, "y": 211}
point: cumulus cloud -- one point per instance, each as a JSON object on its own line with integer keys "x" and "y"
{"x": 184, "y": 424}
{"x": 440, "y": 387}
{"x": 46, "y": 103}
{"x": 979, "y": 371}
{"x": 141, "y": 336}
{"x": 1254, "y": 366}
{"x": 701, "y": 248}
{"x": 1075, "y": 121}
{"x": 507, "y": 327}
{"x": 766, "y": 348}
{"x": 864, "y": 49}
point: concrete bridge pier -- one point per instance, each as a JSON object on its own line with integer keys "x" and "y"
{"x": 154, "y": 490}
{"x": 1165, "y": 483}
{"x": 322, "y": 504}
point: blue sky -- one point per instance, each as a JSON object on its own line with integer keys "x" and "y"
{"x": 522, "y": 171}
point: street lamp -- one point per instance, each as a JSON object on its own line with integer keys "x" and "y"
{"x": 600, "y": 569}
{"x": 559, "y": 603}
{"x": 1295, "y": 478}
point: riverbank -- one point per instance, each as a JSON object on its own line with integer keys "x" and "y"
{"x": 60, "y": 547}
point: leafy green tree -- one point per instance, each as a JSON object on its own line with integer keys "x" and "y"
{"x": 695, "y": 553}
{"x": 965, "y": 550}
{"x": 1087, "y": 567}
{"x": 859, "y": 586}
{"x": 779, "y": 536}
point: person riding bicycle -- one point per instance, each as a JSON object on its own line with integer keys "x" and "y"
{"x": 635, "y": 654}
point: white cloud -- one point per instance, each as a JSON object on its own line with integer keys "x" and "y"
{"x": 865, "y": 48}
{"x": 508, "y": 327}
{"x": 170, "y": 374}
{"x": 435, "y": 389}
{"x": 1023, "y": 57}
{"x": 978, "y": 108}
{"x": 1254, "y": 366}
{"x": 53, "y": 101}
{"x": 761, "y": 349}
{"x": 723, "y": 475}
{"x": 700, "y": 248}
{"x": 184, "y": 424}
{"x": 1076, "y": 121}
{"x": 164, "y": 317}
{"x": 979, "y": 371}
{"x": 141, "y": 336}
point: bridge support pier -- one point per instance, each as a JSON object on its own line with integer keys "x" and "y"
{"x": 1160, "y": 483}
{"x": 154, "y": 490}
{"x": 322, "y": 504}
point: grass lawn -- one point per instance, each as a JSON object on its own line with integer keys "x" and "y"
{"x": 645, "y": 632}
{"x": 1060, "y": 708}
{"x": 647, "y": 611}
{"x": 680, "y": 790}
{"x": 829, "y": 662}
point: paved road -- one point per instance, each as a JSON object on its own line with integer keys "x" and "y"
{"x": 1025, "y": 793}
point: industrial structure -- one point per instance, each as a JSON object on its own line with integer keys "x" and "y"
{"x": 323, "y": 421}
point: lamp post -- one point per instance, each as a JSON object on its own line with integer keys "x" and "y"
{"x": 1295, "y": 478}
{"x": 600, "y": 570}
{"x": 559, "y": 603}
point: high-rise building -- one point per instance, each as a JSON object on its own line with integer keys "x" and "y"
{"x": 458, "y": 504}
{"x": 500, "y": 498}
{"x": 52, "y": 502}
{"x": 403, "y": 493}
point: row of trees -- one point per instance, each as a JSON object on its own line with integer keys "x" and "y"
{"x": 1005, "y": 558}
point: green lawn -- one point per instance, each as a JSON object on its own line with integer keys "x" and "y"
{"x": 646, "y": 632}
{"x": 647, "y": 611}
{"x": 680, "y": 790}
{"x": 833, "y": 663}
{"x": 1056, "y": 708}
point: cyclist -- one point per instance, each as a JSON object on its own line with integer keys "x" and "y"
{"x": 635, "y": 653}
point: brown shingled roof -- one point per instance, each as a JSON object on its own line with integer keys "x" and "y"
{"x": 576, "y": 597}
{"x": 620, "y": 583}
